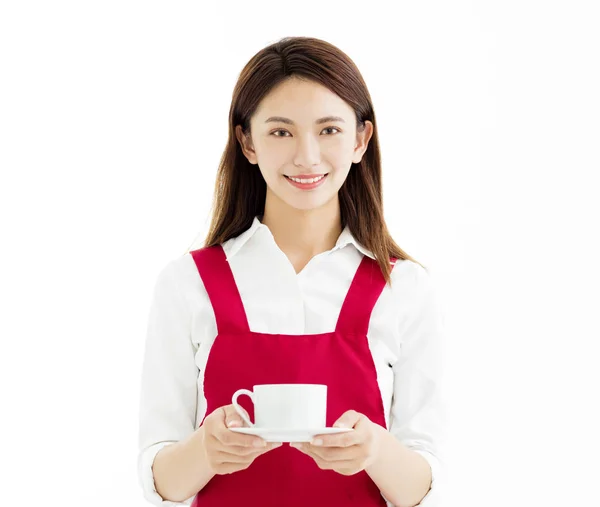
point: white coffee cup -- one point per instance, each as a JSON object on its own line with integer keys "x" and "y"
{"x": 285, "y": 406}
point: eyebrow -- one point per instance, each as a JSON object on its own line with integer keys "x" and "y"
{"x": 325, "y": 119}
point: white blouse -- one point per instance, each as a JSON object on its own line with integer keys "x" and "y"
{"x": 405, "y": 338}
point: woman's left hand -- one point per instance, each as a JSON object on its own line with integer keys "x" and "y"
{"x": 346, "y": 453}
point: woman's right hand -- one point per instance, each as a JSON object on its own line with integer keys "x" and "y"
{"x": 228, "y": 451}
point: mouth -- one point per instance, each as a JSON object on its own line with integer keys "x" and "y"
{"x": 306, "y": 176}
{"x": 307, "y": 183}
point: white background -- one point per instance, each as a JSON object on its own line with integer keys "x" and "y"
{"x": 113, "y": 117}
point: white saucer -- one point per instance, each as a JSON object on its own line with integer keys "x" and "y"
{"x": 285, "y": 435}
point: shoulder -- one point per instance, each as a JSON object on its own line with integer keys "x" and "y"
{"x": 410, "y": 275}
{"x": 173, "y": 271}
{"x": 413, "y": 287}
{"x": 179, "y": 277}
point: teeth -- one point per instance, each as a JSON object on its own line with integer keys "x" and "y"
{"x": 310, "y": 180}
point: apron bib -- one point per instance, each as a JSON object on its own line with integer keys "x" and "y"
{"x": 240, "y": 358}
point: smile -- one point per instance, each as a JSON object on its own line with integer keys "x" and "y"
{"x": 306, "y": 183}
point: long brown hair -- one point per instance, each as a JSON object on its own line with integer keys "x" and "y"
{"x": 240, "y": 190}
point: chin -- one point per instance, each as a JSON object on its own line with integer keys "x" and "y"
{"x": 301, "y": 201}
{"x": 308, "y": 203}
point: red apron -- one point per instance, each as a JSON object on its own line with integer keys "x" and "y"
{"x": 240, "y": 358}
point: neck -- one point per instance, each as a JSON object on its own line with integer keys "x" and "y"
{"x": 303, "y": 233}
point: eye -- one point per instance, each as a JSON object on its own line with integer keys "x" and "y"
{"x": 279, "y": 130}
{"x": 282, "y": 130}
{"x": 335, "y": 128}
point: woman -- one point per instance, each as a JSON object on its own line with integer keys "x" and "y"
{"x": 298, "y": 281}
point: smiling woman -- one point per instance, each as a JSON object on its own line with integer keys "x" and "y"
{"x": 308, "y": 148}
{"x": 299, "y": 282}
{"x": 302, "y": 109}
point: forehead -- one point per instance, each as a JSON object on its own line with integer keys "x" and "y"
{"x": 302, "y": 100}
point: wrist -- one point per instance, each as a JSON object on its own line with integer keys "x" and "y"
{"x": 200, "y": 449}
{"x": 380, "y": 439}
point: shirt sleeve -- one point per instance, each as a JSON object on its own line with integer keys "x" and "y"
{"x": 167, "y": 411}
{"x": 418, "y": 411}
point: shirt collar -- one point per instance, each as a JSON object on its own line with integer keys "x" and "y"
{"x": 234, "y": 245}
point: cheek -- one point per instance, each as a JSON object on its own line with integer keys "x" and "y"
{"x": 273, "y": 163}
{"x": 339, "y": 158}
{"x": 339, "y": 173}
{"x": 271, "y": 152}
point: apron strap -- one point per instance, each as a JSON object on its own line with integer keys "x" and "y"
{"x": 365, "y": 289}
{"x": 222, "y": 290}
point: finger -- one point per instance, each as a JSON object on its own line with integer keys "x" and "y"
{"x": 354, "y": 437}
{"x": 240, "y": 450}
{"x": 348, "y": 419}
{"x": 226, "y": 437}
{"x": 233, "y": 419}
{"x": 226, "y": 455}
{"x": 231, "y": 438}
{"x": 337, "y": 454}
{"x": 248, "y": 451}
{"x": 332, "y": 454}
{"x": 325, "y": 464}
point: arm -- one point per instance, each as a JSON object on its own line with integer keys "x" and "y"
{"x": 170, "y": 468}
{"x": 181, "y": 469}
{"x": 402, "y": 475}
{"x": 408, "y": 466}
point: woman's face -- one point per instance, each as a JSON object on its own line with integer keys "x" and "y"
{"x": 299, "y": 142}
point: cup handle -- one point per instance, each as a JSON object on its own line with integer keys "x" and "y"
{"x": 238, "y": 408}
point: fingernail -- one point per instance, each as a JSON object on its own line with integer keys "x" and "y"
{"x": 233, "y": 423}
{"x": 317, "y": 441}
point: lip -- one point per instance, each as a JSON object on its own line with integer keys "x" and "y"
{"x": 307, "y": 186}
{"x": 305, "y": 176}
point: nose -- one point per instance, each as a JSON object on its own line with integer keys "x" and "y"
{"x": 308, "y": 152}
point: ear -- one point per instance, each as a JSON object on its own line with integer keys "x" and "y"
{"x": 362, "y": 141}
{"x": 246, "y": 145}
